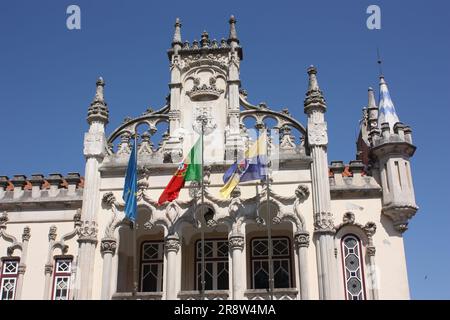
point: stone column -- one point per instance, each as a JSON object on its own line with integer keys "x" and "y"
{"x": 302, "y": 244}
{"x": 108, "y": 249}
{"x": 87, "y": 243}
{"x": 315, "y": 108}
{"x": 172, "y": 246}
{"x": 94, "y": 152}
{"x": 48, "y": 269}
{"x": 236, "y": 245}
{"x": 23, "y": 262}
{"x": 373, "y": 276}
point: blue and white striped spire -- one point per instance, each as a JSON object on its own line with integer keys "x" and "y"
{"x": 386, "y": 106}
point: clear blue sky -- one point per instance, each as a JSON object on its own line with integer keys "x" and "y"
{"x": 48, "y": 73}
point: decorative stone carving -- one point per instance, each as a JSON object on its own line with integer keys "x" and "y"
{"x": 21, "y": 269}
{"x": 302, "y": 192}
{"x": 301, "y": 239}
{"x": 108, "y": 245}
{"x": 204, "y": 92}
{"x": 52, "y": 233}
{"x": 3, "y": 220}
{"x": 370, "y": 228}
{"x": 349, "y": 218}
{"x": 124, "y": 146}
{"x": 236, "y": 242}
{"x": 109, "y": 199}
{"x": 148, "y": 225}
{"x": 26, "y": 234}
{"x": 324, "y": 222}
{"x": 317, "y": 134}
{"x": 88, "y": 232}
{"x": 94, "y": 144}
{"x": 48, "y": 268}
{"x": 370, "y": 250}
{"x": 172, "y": 243}
{"x": 146, "y": 146}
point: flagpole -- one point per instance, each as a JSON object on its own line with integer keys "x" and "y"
{"x": 135, "y": 276}
{"x": 202, "y": 279}
{"x": 269, "y": 222}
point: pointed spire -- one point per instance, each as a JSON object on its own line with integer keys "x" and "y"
{"x": 371, "y": 103}
{"x": 372, "y": 110}
{"x": 99, "y": 90}
{"x": 387, "y": 113}
{"x": 233, "y": 34}
{"x": 98, "y": 110}
{"x": 177, "y": 34}
{"x": 314, "y": 98}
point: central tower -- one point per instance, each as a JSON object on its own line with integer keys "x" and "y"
{"x": 204, "y": 81}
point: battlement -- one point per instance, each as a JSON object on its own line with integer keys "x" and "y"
{"x": 351, "y": 180}
{"x": 53, "y": 189}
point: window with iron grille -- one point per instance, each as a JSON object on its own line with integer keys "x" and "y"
{"x": 216, "y": 264}
{"x": 352, "y": 263}
{"x": 61, "y": 278}
{"x": 281, "y": 261}
{"x": 10, "y": 271}
{"x": 152, "y": 263}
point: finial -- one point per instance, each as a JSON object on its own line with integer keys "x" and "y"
{"x": 204, "y": 39}
{"x": 177, "y": 33}
{"x": 314, "y": 99}
{"x": 99, "y": 91}
{"x": 233, "y": 34}
{"x": 313, "y": 84}
{"x": 371, "y": 103}
{"x": 98, "y": 110}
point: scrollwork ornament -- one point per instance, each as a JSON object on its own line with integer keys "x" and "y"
{"x": 302, "y": 239}
{"x": 172, "y": 244}
{"x": 236, "y": 242}
{"x": 371, "y": 251}
{"x": 108, "y": 246}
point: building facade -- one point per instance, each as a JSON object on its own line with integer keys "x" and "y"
{"x": 313, "y": 230}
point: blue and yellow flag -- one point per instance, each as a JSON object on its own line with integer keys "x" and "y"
{"x": 130, "y": 187}
{"x": 252, "y": 167}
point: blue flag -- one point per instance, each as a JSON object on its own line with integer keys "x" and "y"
{"x": 130, "y": 187}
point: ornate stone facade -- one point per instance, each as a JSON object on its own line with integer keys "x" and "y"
{"x": 313, "y": 211}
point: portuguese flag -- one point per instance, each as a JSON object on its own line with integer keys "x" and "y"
{"x": 189, "y": 170}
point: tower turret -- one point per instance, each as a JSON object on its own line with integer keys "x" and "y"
{"x": 204, "y": 82}
{"x": 391, "y": 150}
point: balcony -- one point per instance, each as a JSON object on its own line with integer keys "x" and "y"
{"x": 209, "y": 295}
{"x": 137, "y": 296}
{"x": 278, "y": 294}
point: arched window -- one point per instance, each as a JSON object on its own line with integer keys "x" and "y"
{"x": 353, "y": 267}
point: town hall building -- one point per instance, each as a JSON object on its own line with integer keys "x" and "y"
{"x": 315, "y": 229}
